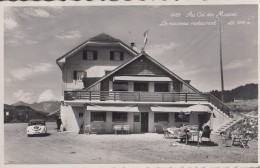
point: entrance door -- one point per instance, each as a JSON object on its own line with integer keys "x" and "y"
{"x": 144, "y": 122}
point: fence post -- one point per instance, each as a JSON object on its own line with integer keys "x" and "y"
{"x": 186, "y": 97}
{"x": 89, "y": 96}
{"x": 114, "y": 96}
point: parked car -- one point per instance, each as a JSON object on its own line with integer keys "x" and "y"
{"x": 36, "y": 127}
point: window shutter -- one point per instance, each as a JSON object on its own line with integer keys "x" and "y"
{"x": 111, "y": 55}
{"x": 121, "y": 56}
{"x": 75, "y": 75}
{"x": 84, "y": 55}
{"x": 95, "y": 55}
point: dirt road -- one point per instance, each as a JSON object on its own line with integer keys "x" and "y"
{"x": 71, "y": 148}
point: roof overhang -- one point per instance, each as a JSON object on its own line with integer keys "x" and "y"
{"x": 142, "y": 78}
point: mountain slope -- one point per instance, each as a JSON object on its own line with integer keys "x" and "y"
{"x": 248, "y": 91}
{"x": 48, "y": 106}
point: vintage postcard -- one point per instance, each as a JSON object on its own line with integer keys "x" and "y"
{"x": 130, "y": 84}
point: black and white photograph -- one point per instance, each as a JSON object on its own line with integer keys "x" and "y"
{"x": 130, "y": 84}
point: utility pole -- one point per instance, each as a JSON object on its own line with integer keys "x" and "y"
{"x": 221, "y": 66}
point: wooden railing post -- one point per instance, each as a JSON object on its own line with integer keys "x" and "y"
{"x": 186, "y": 97}
{"x": 139, "y": 96}
{"x": 162, "y": 97}
{"x": 114, "y": 96}
{"x": 209, "y": 98}
{"x": 90, "y": 96}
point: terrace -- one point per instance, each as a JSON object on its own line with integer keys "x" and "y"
{"x": 145, "y": 97}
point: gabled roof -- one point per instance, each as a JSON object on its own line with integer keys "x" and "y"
{"x": 101, "y": 38}
{"x": 151, "y": 59}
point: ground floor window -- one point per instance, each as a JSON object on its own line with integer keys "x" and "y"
{"x": 161, "y": 117}
{"x": 119, "y": 117}
{"x": 98, "y": 116}
{"x": 182, "y": 117}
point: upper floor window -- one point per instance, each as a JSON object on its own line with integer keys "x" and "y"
{"x": 79, "y": 75}
{"x": 116, "y": 55}
{"x": 161, "y": 87}
{"x": 89, "y": 55}
{"x": 120, "y": 86}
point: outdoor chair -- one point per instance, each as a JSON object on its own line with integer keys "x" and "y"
{"x": 225, "y": 139}
{"x": 158, "y": 129}
{"x": 126, "y": 129}
{"x": 118, "y": 128}
{"x": 244, "y": 142}
{"x": 168, "y": 133}
{"x": 90, "y": 129}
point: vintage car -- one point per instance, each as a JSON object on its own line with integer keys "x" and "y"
{"x": 36, "y": 127}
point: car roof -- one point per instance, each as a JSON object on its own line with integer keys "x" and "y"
{"x": 36, "y": 120}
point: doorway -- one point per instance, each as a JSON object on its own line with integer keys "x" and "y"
{"x": 144, "y": 122}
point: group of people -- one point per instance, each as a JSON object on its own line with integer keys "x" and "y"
{"x": 247, "y": 126}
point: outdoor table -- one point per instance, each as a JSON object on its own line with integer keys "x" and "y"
{"x": 193, "y": 133}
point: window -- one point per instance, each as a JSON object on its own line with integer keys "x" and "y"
{"x": 116, "y": 55}
{"x": 119, "y": 117}
{"x": 164, "y": 117}
{"x": 98, "y": 116}
{"x": 136, "y": 118}
{"x": 89, "y": 55}
{"x": 141, "y": 86}
{"x": 80, "y": 114}
{"x": 161, "y": 87}
{"x": 120, "y": 86}
{"x": 78, "y": 75}
{"x": 182, "y": 117}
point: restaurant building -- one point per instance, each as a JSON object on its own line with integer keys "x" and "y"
{"x": 108, "y": 83}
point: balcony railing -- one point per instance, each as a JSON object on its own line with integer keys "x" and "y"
{"x": 145, "y": 97}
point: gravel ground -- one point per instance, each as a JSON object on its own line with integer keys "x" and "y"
{"x": 71, "y": 148}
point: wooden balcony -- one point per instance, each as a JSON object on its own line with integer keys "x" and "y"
{"x": 145, "y": 97}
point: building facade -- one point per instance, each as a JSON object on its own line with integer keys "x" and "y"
{"x": 107, "y": 83}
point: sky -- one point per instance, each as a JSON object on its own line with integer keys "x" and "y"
{"x": 185, "y": 39}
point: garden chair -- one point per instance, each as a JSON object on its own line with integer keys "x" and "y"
{"x": 169, "y": 133}
{"x": 90, "y": 129}
{"x": 225, "y": 139}
{"x": 117, "y": 128}
{"x": 244, "y": 142}
{"x": 126, "y": 129}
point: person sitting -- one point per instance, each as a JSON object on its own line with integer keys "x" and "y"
{"x": 184, "y": 133}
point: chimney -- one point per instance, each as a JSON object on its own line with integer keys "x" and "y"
{"x": 133, "y": 46}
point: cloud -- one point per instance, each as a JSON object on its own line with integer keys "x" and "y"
{"x": 21, "y": 95}
{"x": 26, "y": 72}
{"x": 235, "y": 64}
{"x": 47, "y": 95}
{"x": 35, "y": 13}
{"x": 160, "y": 49}
{"x": 69, "y": 35}
{"x": 10, "y": 23}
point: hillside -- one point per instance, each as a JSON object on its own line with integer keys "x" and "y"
{"x": 21, "y": 113}
{"x": 48, "y": 106}
{"x": 248, "y": 91}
